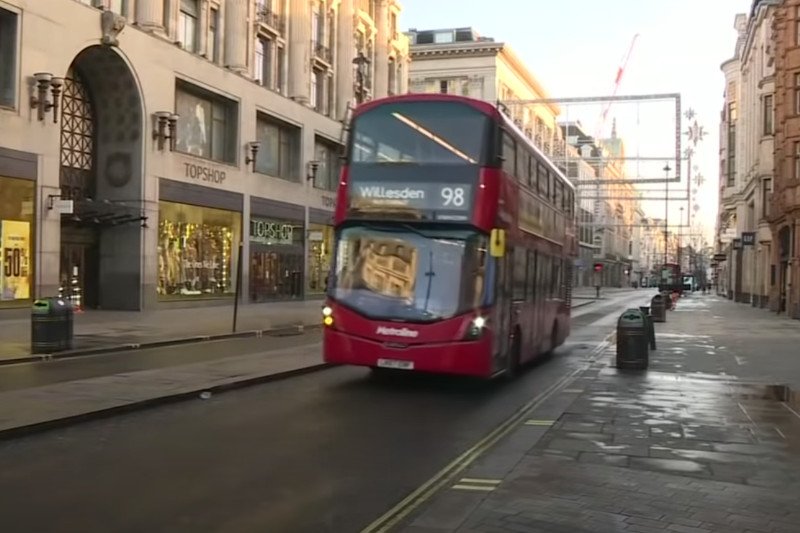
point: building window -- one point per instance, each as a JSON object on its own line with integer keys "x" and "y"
{"x": 797, "y": 26}
{"x": 8, "y": 58}
{"x": 766, "y": 197}
{"x": 263, "y": 62}
{"x": 196, "y": 247}
{"x": 327, "y": 154}
{"x": 207, "y": 124}
{"x": 318, "y": 91}
{"x": 213, "y": 35}
{"x": 279, "y": 77}
{"x": 797, "y": 94}
{"x": 443, "y": 37}
{"x": 768, "y": 114}
{"x": 392, "y": 77}
{"x": 317, "y": 28}
{"x": 187, "y": 25}
{"x": 796, "y": 160}
{"x": 280, "y": 148}
{"x": 443, "y": 86}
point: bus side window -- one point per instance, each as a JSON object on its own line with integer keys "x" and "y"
{"x": 520, "y": 271}
{"x": 531, "y": 293}
{"x": 509, "y": 153}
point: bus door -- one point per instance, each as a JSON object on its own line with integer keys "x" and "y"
{"x": 502, "y": 308}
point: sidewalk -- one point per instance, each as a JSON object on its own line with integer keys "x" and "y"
{"x": 583, "y": 293}
{"x": 31, "y": 409}
{"x": 111, "y": 330}
{"x": 698, "y": 443}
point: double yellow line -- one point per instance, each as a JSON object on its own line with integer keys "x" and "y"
{"x": 446, "y": 475}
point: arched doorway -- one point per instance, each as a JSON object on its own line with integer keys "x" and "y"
{"x": 101, "y": 171}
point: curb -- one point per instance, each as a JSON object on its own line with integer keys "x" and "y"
{"x": 40, "y": 427}
{"x": 297, "y": 329}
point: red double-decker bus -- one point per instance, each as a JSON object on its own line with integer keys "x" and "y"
{"x": 455, "y": 242}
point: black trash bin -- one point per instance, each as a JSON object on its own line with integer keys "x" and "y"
{"x": 51, "y": 325}
{"x": 658, "y": 309}
{"x": 632, "y": 340}
{"x": 651, "y": 330}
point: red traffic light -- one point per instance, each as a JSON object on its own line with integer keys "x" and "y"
{"x": 598, "y": 267}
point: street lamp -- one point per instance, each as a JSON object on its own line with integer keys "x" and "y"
{"x": 361, "y": 62}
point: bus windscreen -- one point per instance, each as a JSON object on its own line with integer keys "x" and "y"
{"x": 439, "y": 133}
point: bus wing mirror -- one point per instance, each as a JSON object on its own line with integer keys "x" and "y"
{"x": 497, "y": 243}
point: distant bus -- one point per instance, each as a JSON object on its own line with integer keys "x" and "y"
{"x": 671, "y": 278}
{"x": 454, "y": 242}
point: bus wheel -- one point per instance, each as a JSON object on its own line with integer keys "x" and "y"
{"x": 512, "y": 366}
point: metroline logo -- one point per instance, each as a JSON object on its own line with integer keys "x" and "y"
{"x": 397, "y": 332}
{"x": 407, "y": 193}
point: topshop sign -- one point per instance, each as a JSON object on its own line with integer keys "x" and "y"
{"x": 270, "y": 232}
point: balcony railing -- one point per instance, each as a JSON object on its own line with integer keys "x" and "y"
{"x": 274, "y": 20}
{"x": 322, "y": 52}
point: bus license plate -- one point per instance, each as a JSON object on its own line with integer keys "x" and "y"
{"x": 396, "y": 364}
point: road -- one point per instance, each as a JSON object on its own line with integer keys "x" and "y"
{"x": 328, "y": 451}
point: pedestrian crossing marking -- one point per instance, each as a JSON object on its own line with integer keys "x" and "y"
{"x": 475, "y": 484}
{"x": 573, "y": 391}
{"x": 539, "y": 422}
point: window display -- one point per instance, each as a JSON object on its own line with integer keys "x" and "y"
{"x": 276, "y": 260}
{"x": 197, "y": 251}
{"x": 320, "y": 243}
{"x": 16, "y": 240}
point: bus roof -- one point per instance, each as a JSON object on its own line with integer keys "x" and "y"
{"x": 484, "y": 107}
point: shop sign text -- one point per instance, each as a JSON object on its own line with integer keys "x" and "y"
{"x": 265, "y": 232}
{"x": 204, "y": 173}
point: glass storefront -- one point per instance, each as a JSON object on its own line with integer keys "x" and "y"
{"x": 197, "y": 249}
{"x": 320, "y": 246}
{"x": 16, "y": 241}
{"x": 276, "y": 259}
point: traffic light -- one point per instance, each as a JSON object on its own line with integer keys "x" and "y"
{"x": 598, "y": 267}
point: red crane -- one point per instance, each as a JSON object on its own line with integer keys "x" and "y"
{"x": 617, "y": 81}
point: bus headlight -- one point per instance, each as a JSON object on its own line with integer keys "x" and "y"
{"x": 476, "y": 328}
{"x": 327, "y": 316}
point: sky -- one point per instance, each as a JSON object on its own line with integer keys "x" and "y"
{"x": 574, "y": 48}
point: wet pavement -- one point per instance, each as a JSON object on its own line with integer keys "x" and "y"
{"x": 103, "y": 329}
{"x": 700, "y": 442}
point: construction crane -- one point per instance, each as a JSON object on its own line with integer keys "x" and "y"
{"x": 620, "y": 72}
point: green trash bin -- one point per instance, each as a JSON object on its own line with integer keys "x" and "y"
{"x": 658, "y": 309}
{"x": 52, "y": 326}
{"x": 633, "y": 339}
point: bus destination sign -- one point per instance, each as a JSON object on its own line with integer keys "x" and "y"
{"x": 447, "y": 201}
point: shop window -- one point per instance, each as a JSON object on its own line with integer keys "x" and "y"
{"x": 8, "y": 57}
{"x": 320, "y": 246}
{"x": 276, "y": 259}
{"x": 207, "y": 124}
{"x": 327, "y": 155}
{"x": 16, "y": 239}
{"x": 280, "y": 148}
{"x": 197, "y": 250}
